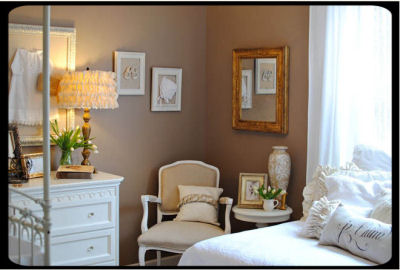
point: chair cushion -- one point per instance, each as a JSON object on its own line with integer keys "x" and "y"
{"x": 178, "y": 235}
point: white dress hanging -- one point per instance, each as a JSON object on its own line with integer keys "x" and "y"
{"x": 24, "y": 100}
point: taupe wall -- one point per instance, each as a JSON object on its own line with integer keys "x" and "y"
{"x": 233, "y": 151}
{"x": 133, "y": 141}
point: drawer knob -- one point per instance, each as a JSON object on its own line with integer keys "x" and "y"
{"x": 91, "y": 214}
{"x": 90, "y": 249}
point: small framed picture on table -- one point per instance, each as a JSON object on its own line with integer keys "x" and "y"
{"x": 32, "y": 164}
{"x": 248, "y": 185}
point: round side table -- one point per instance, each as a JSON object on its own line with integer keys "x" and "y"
{"x": 260, "y": 217}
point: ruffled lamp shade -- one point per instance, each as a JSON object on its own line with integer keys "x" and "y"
{"x": 92, "y": 89}
{"x": 89, "y": 89}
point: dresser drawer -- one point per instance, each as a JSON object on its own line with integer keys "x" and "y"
{"x": 83, "y": 248}
{"x": 69, "y": 219}
{"x": 77, "y": 212}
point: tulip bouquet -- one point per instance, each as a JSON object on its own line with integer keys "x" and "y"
{"x": 68, "y": 141}
{"x": 269, "y": 193}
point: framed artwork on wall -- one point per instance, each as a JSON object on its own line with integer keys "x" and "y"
{"x": 247, "y": 88}
{"x": 265, "y": 76}
{"x": 130, "y": 70}
{"x": 166, "y": 90}
{"x": 248, "y": 183}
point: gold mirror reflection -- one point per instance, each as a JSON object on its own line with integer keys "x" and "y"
{"x": 260, "y": 89}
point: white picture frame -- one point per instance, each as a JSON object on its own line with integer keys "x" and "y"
{"x": 62, "y": 55}
{"x": 130, "y": 70}
{"x": 166, "y": 91}
{"x": 265, "y": 76}
{"x": 247, "y": 89}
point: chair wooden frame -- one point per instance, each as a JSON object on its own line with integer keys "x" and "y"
{"x": 153, "y": 199}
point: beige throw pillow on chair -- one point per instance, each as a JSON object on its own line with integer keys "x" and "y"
{"x": 198, "y": 203}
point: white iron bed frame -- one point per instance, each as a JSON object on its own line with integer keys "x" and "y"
{"x": 22, "y": 220}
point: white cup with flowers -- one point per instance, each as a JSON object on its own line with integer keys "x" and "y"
{"x": 268, "y": 195}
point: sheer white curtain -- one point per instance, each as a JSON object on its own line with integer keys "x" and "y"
{"x": 349, "y": 82}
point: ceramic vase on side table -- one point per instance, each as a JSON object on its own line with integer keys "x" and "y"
{"x": 279, "y": 167}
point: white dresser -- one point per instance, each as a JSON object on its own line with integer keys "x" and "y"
{"x": 84, "y": 217}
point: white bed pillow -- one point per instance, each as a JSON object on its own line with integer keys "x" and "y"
{"x": 318, "y": 216}
{"x": 198, "y": 203}
{"x": 365, "y": 237}
{"x": 316, "y": 188}
{"x": 357, "y": 195}
{"x": 382, "y": 210}
{"x": 369, "y": 158}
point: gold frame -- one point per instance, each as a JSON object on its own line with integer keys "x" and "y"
{"x": 282, "y": 73}
{"x": 262, "y": 179}
{"x": 25, "y": 158}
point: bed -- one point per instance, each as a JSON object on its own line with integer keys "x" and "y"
{"x": 361, "y": 195}
{"x": 250, "y": 248}
{"x": 29, "y": 234}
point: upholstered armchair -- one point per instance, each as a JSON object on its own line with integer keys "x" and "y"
{"x": 177, "y": 236}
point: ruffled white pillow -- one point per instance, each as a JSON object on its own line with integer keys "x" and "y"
{"x": 318, "y": 216}
{"x": 198, "y": 203}
{"x": 317, "y": 188}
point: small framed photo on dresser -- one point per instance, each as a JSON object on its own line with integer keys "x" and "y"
{"x": 32, "y": 164}
{"x": 248, "y": 184}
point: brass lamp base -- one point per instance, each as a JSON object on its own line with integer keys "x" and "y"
{"x": 86, "y": 135}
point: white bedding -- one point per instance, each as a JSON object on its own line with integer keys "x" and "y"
{"x": 278, "y": 245}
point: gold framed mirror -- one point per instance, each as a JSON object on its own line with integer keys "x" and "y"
{"x": 260, "y": 89}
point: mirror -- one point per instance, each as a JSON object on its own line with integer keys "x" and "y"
{"x": 62, "y": 56}
{"x": 260, "y": 89}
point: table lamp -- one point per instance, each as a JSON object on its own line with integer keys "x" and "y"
{"x": 89, "y": 89}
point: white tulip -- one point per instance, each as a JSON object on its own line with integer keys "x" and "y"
{"x": 283, "y": 192}
{"x": 269, "y": 188}
{"x": 89, "y": 142}
{"x": 96, "y": 151}
{"x": 72, "y": 149}
{"x": 55, "y": 137}
{"x": 264, "y": 191}
{"x": 94, "y": 146}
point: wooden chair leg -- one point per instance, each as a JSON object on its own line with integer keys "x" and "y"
{"x": 158, "y": 258}
{"x": 142, "y": 253}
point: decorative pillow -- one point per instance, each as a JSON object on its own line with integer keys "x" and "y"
{"x": 318, "y": 216}
{"x": 382, "y": 210}
{"x": 198, "y": 203}
{"x": 316, "y": 188}
{"x": 369, "y": 158}
{"x": 358, "y": 196}
{"x": 365, "y": 237}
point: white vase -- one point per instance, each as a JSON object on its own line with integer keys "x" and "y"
{"x": 269, "y": 205}
{"x": 279, "y": 167}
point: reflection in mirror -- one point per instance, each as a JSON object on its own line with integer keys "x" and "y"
{"x": 260, "y": 89}
{"x": 257, "y": 106}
